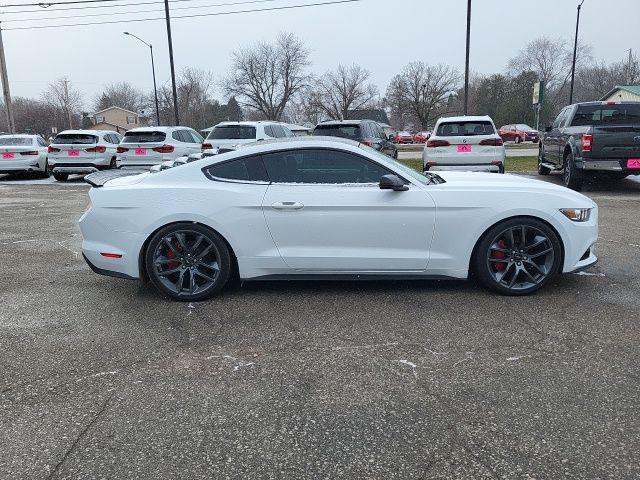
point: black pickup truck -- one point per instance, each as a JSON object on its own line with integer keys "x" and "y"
{"x": 600, "y": 138}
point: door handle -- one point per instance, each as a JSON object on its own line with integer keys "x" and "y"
{"x": 287, "y": 205}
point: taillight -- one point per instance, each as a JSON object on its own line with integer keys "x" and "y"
{"x": 206, "y": 146}
{"x": 121, "y": 150}
{"x": 586, "y": 142}
{"x": 163, "y": 149}
{"x": 368, "y": 143}
{"x": 52, "y": 149}
{"x": 29, "y": 153}
{"x": 110, "y": 255}
{"x": 437, "y": 143}
{"x": 494, "y": 142}
{"x": 98, "y": 149}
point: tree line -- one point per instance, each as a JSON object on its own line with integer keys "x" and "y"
{"x": 273, "y": 80}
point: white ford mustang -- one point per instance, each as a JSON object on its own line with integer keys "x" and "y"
{"x": 329, "y": 208}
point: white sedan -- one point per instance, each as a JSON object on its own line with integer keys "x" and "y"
{"x": 23, "y": 153}
{"x": 316, "y": 207}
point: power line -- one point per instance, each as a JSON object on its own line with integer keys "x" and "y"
{"x": 152, "y": 2}
{"x": 289, "y": 7}
{"x": 52, "y": 4}
{"x": 133, "y": 12}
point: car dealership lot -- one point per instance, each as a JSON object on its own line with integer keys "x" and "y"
{"x": 105, "y": 378}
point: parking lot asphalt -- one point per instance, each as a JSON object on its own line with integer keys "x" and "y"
{"x": 105, "y": 378}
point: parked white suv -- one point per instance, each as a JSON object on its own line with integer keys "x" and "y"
{"x": 464, "y": 143}
{"x": 23, "y": 153}
{"x": 148, "y": 146}
{"x": 82, "y": 151}
{"x": 229, "y": 135}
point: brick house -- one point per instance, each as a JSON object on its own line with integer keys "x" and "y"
{"x": 115, "y": 118}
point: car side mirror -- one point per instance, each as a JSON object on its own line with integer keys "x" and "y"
{"x": 390, "y": 138}
{"x": 392, "y": 182}
{"x": 548, "y": 129}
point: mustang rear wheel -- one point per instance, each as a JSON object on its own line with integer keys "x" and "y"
{"x": 188, "y": 262}
{"x": 518, "y": 256}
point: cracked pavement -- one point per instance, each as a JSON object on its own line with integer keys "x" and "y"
{"x": 104, "y": 378}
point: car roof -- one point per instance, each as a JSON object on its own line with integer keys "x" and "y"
{"x": 466, "y": 118}
{"x": 85, "y": 132}
{"x": 252, "y": 124}
{"x": 19, "y": 135}
{"x": 157, "y": 129}
{"x": 342, "y": 122}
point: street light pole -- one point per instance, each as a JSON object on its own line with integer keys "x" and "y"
{"x": 173, "y": 71}
{"x": 466, "y": 62}
{"x": 153, "y": 69}
{"x": 575, "y": 52}
{"x": 5, "y": 88}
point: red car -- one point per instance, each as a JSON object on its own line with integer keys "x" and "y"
{"x": 403, "y": 137}
{"x": 421, "y": 137}
{"x": 519, "y": 132}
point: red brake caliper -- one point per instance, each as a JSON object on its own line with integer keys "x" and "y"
{"x": 499, "y": 266}
{"x": 170, "y": 254}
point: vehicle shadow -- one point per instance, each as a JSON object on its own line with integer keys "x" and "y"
{"x": 596, "y": 184}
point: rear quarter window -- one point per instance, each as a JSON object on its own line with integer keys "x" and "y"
{"x": 248, "y": 169}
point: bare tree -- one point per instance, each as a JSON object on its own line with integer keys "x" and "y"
{"x": 346, "y": 88}
{"x": 61, "y": 94}
{"x": 595, "y": 81}
{"x": 121, "y": 94}
{"x": 266, "y": 77}
{"x": 421, "y": 91}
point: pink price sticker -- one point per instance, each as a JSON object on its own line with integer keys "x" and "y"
{"x": 633, "y": 163}
{"x": 140, "y": 151}
{"x": 464, "y": 148}
{"x": 73, "y": 153}
{"x": 7, "y": 156}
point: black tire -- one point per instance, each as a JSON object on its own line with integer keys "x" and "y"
{"x": 572, "y": 177}
{"x": 518, "y": 139}
{"x": 542, "y": 170}
{"x": 501, "y": 168}
{"x": 395, "y": 154}
{"x": 190, "y": 250}
{"x": 112, "y": 163}
{"x": 538, "y": 253}
{"x": 60, "y": 177}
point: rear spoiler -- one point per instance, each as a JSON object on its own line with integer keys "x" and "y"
{"x": 98, "y": 179}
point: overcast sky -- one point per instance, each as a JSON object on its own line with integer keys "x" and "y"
{"x": 381, "y": 35}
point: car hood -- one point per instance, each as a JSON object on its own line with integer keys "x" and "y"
{"x": 509, "y": 182}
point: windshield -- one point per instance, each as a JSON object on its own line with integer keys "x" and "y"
{"x": 343, "y": 131}
{"x": 524, "y": 127}
{"x": 16, "y": 141}
{"x": 603, "y": 115}
{"x": 75, "y": 139}
{"x": 465, "y": 129}
{"x": 400, "y": 167}
{"x": 233, "y": 132}
{"x": 144, "y": 137}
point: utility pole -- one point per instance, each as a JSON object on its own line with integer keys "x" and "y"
{"x": 629, "y": 67}
{"x": 5, "y": 87}
{"x": 575, "y": 52}
{"x": 466, "y": 63}
{"x": 153, "y": 70}
{"x": 67, "y": 107}
{"x": 173, "y": 71}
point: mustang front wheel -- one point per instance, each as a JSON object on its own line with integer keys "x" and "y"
{"x": 188, "y": 261}
{"x": 518, "y": 256}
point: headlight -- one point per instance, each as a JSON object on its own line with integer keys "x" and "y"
{"x": 577, "y": 214}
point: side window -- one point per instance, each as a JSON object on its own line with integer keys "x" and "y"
{"x": 559, "y": 118}
{"x": 249, "y": 169}
{"x": 287, "y": 132}
{"x": 176, "y": 135}
{"x": 565, "y": 119}
{"x": 321, "y": 166}
{"x": 197, "y": 138}
{"x": 41, "y": 142}
{"x": 278, "y": 131}
{"x": 268, "y": 130}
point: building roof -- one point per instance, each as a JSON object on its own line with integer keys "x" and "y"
{"x": 114, "y": 106}
{"x": 635, "y": 89}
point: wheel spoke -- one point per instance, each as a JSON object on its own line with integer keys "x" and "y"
{"x": 164, "y": 273}
{"x": 513, "y": 279}
{"x": 192, "y": 281}
{"x": 163, "y": 261}
{"x": 539, "y": 254}
{"x": 196, "y": 244}
{"x": 523, "y": 232}
{"x": 206, "y": 277}
{"x": 512, "y": 242}
{"x": 205, "y": 251}
{"x": 211, "y": 266}
{"x": 181, "y": 240}
{"x": 170, "y": 245}
{"x": 536, "y": 266}
{"x": 526, "y": 272}
{"x": 180, "y": 283}
{"x": 536, "y": 243}
{"x": 505, "y": 272}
